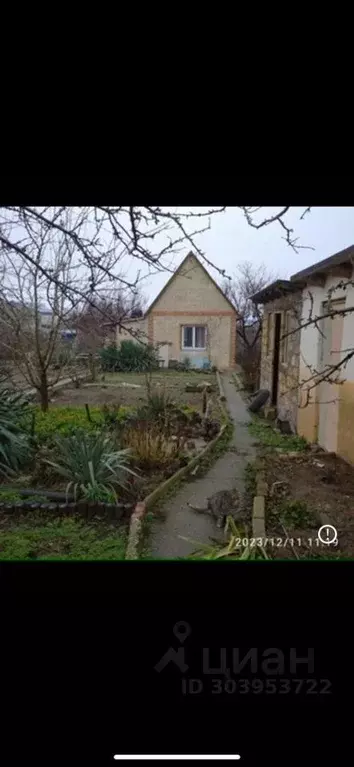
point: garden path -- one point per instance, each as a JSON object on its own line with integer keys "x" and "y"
{"x": 176, "y": 518}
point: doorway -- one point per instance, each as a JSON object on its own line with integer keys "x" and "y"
{"x": 276, "y": 352}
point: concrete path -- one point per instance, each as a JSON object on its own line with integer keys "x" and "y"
{"x": 225, "y": 474}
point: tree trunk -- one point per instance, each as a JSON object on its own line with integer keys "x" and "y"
{"x": 43, "y": 392}
{"x": 93, "y": 367}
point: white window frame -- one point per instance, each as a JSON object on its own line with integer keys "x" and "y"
{"x": 194, "y": 348}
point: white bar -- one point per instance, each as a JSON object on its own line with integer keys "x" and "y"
{"x": 176, "y": 757}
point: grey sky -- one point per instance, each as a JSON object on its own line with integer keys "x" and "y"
{"x": 230, "y": 241}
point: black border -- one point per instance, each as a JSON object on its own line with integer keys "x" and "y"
{"x": 235, "y": 188}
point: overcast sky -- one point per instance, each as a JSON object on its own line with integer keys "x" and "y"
{"x": 230, "y": 241}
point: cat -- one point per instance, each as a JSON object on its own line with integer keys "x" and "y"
{"x": 219, "y": 506}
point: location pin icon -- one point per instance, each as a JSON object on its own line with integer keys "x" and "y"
{"x": 181, "y": 630}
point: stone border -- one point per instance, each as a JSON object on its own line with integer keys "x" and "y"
{"x": 135, "y": 530}
{"x": 221, "y": 387}
{"x": 258, "y": 512}
{"x": 142, "y": 507}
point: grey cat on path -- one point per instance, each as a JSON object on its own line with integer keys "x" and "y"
{"x": 219, "y": 506}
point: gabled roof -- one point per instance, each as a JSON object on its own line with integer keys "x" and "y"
{"x": 189, "y": 255}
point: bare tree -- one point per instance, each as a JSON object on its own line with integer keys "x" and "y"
{"x": 92, "y": 331}
{"x": 257, "y": 219}
{"x": 247, "y": 281}
{"x": 101, "y": 239}
{"x": 24, "y": 294}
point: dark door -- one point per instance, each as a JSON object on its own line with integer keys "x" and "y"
{"x": 276, "y": 349}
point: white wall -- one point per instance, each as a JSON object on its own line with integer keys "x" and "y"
{"x": 309, "y": 342}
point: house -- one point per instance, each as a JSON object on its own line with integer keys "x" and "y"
{"x": 324, "y": 412}
{"x": 190, "y": 318}
{"x": 280, "y": 357}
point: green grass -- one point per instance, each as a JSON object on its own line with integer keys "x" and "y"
{"x": 250, "y": 479}
{"x": 63, "y": 539}
{"x": 295, "y": 513}
{"x": 268, "y": 436}
{"x": 9, "y": 496}
{"x": 66, "y": 420}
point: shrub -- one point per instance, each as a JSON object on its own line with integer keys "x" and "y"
{"x": 295, "y": 512}
{"x": 112, "y": 414}
{"x": 89, "y": 461}
{"x": 14, "y": 436}
{"x": 67, "y": 420}
{"x": 158, "y": 403}
{"x": 130, "y": 357}
{"x": 150, "y": 448}
{"x": 186, "y": 362}
{"x": 9, "y": 496}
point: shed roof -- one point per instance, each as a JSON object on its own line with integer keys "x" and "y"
{"x": 275, "y": 289}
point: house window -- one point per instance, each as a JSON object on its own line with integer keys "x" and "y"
{"x": 194, "y": 336}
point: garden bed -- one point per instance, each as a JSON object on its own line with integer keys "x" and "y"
{"x": 107, "y": 456}
{"x": 319, "y": 489}
{"x": 306, "y": 488}
{"x": 112, "y": 391}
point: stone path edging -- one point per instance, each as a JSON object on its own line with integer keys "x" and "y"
{"x": 258, "y": 511}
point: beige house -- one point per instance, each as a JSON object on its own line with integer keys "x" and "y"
{"x": 300, "y": 369}
{"x": 190, "y": 318}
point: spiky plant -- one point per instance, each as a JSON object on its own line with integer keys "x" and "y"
{"x": 14, "y": 439}
{"x": 88, "y": 461}
{"x": 230, "y": 550}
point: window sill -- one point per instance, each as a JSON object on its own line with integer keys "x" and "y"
{"x": 193, "y": 349}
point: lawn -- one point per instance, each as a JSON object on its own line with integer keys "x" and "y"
{"x": 35, "y": 537}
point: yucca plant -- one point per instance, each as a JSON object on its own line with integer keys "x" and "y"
{"x": 14, "y": 440}
{"x": 88, "y": 461}
{"x": 230, "y": 550}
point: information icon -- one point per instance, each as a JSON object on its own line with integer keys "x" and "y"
{"x": 327, "y": 534}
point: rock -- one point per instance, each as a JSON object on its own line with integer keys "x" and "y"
{"x": 315, "y": 448}
{"x": 174, "y": 438}
{"x": 199, "y": 387}
{"x": 320, "y": 465}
